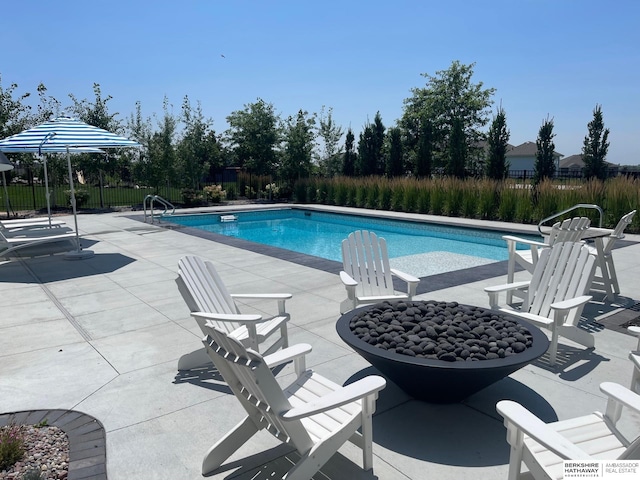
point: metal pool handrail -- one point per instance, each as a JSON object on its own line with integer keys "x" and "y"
{"x": 579, "y": 205}
{"x": 156, "y": 198}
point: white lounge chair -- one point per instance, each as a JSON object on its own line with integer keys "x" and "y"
{"x": 569, "y": 230}
{"x": 10, "y": 244}
{"x": 605, "y": 277}
{"x": 542, "y": 447}
{"x": 366, "y": 273}
{"x": 556, "y": 294}
{"x": 30, "y": 223}
{"x": 209, "y": 301}
{"x": 313, "y": 414}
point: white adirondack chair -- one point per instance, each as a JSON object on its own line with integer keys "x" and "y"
{"x": 605, "y": 277}
{"x": 542, "y": 447}
{"x": 313, "y": 415}
{"x": 556, "y": 294}
{"x": 366, "y": 273}
{"x": 634, "y": 356}
{"x": 569, "y": 230}
{"x": 209, "y": 301}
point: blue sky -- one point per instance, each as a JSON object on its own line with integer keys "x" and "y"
{"x": 555, "y": 58}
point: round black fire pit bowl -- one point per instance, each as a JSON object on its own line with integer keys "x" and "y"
{"x": 439, "y": 381}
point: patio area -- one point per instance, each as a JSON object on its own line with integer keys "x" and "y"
{"x": 103, "y": 336}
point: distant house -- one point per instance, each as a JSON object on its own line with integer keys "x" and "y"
{"x": 523, "y": 157}
{"x": 573, "y": 166}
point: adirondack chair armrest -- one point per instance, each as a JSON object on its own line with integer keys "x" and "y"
{"x": 494, "y": 290}
{"x": 280, "y": 297}
{"x": 571, "y": 303}
{"x": 405, "y": 276}
{"x": 370, "y": 385}
{"x": 274, "y": 296}
{"x": 533, "y": 243}
{"x": 347, "y": 279}
{"x": 295, "y": 353}
{"x": 519, "y": 418}
{"x": 618, "y": 397}
{"x": 229, "y": 317}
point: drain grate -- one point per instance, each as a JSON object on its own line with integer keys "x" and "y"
{"x": 635, "y": 307}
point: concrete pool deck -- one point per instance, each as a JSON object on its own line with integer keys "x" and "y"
{"x": 103, "y": 336}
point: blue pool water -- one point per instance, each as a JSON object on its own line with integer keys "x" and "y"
{"x": 320, "y": 234}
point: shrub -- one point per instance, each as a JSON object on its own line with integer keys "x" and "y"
{"x": 508, "y": 203}
{"x": 82, "y": 197}
{"x": 192, "y": 198}
{"x": 410, "y": 200}
{"x": 384, "y": 197}
{"x": 487, "y": 199}
{"x": 232, "y": 191}
{"x": 438, "y": 197}
{"x": 214, "y": 193}
{"x": 11, "y": 446}
{"x": 455, "y": 197}
{"x": 423, "y": 199}
{"x": 397, "y": 196}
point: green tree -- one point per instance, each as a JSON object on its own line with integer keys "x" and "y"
{"x": 48, "y": 106}
{"x": 253, "y": 135}
{"x": 97, "y": 113}
{"x": 395, "y": 158}
{"x": 457, "y": 150}
{"x": 497, "y": 166}
{"x": 349, "y": 162}
{"x": 162, "y": 155}
{"x": 545, "y": 166}
{"x": 595, "y": 147}
{"x": 365, "y": 163}
{"x": 331, "y": 159}
{"x": 14, "y": 113}
{"x": 370, "y": 159}
{"x": 299, "y": 140}
{"x": 378, "y": 130}
{"x": 449, "y": 97}
{"x": 424, "y": 153}
{"x": 138, "y": 128}
{"x": 198, "y": 149}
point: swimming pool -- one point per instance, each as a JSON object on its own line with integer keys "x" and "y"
{"x": 414, "y": 247}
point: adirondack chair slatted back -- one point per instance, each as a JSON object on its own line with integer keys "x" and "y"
{"x": 561, "y": 273}
{"x": 365, "y": 259}
{"x": 253, "y": 383}
{"x": 569, "y": 230}
{"x": 204, "y": 291}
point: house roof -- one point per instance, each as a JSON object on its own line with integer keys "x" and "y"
{"x": 576, "y": 161}
{"x": 526, "y": 149}
{"x": 572, "y": 161}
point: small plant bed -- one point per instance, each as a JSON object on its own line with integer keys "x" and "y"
{"x": 33, "y": 452}
{"x": 445, "y": 331}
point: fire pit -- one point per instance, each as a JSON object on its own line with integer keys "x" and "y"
{"x": 441, "y": 352}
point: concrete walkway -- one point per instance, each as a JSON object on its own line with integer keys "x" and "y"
{"x": 103, "y": 336}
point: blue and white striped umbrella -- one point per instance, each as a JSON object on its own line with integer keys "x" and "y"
{"x": 62, "y": 133}
{"x": 65, "y": 134}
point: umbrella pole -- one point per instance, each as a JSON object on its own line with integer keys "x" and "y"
{"x": 46, "y": 185}
{"x": 6, "y": 194}
{"x": 78, "y": 254}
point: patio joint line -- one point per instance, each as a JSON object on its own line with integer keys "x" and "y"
{"x": 83, "y": 333}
